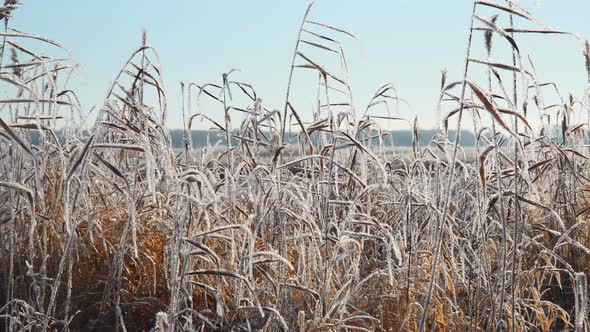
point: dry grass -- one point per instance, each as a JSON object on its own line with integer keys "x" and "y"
{"x": 110, "y": 229}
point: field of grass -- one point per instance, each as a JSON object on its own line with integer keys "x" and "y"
{"x": 109, "y": 228}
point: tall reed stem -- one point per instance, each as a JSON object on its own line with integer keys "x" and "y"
{"x": 441, "y": 218}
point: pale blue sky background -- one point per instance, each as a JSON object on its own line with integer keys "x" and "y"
{"x": 403, "y": 42}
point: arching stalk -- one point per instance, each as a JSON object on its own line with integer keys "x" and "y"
{"x": 286, "y": 108}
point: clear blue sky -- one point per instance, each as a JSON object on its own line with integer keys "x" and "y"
{"x": 404, "y": 42}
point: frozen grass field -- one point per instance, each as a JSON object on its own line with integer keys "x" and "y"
{"x": 112, "y": 228}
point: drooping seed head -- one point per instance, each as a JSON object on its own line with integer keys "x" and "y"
{"x": 489, "y": 34}
{"x": 144, "y": 37}
{"x": 443, "y": 78}
{"x": 9, "y": 7}
{"x": 17, "y": 71}
{"x": 587, "y": 57}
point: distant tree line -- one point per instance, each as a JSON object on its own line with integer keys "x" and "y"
{"x": 201, "y": 138}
